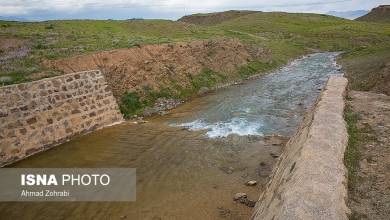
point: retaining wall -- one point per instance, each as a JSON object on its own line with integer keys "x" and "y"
{"x": 309, "y": 180}
{"x": 38, "y": 115}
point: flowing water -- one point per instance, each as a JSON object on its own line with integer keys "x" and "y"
{"x": 192, "y": 161}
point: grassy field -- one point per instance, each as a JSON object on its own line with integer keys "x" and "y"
{"x": 58, "y": 39}
{"x": 285, "y": 35}
{"x": 368, "y": 70}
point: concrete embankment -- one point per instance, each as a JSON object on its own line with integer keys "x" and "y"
{"x": 38, "y": 115}
{"x": 309, "y": 180}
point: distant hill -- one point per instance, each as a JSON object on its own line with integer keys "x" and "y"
{"x": 378, "y": 14}
{"x": 348, "y": 14}
{"x": 208, "y": 19}
{"x": 11, "y": 18}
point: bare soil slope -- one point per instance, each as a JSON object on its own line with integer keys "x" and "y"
{"x": 378, "y": 14}
{"x": 369, "y": 72}
{"x": 160, "y": 66}
{"x": 369, "y": 198}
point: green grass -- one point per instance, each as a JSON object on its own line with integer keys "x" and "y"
{"x": 357, "y": 138}
{"x": 352, "y": 155}
{"x": 285, "y": 35}
{"x": 59, "y": 39}
{"x": 149, "y": 95}
{"x": 133, "y": 103}
{"x": 298, "y": 32}
{"x": 206, "y": 79}
{"x": 366, "y": 69}
{"x": 130, "y": 104}
{"x": 56, "y": 39}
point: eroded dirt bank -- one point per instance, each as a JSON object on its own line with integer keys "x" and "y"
{"x": 168, "y": 67}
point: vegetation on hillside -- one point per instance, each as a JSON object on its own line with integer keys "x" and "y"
{"x": 209, "y": 19}
{"x": 59, "y": 39}
{"x": 368, "y": 70}
{"x": 133, "y": 103}
{"x": 285, "y": 35}
{"x": 352, "y": 157}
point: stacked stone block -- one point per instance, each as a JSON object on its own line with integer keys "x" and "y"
{"x": 38, "y": 115}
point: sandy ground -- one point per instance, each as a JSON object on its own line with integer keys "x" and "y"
{"x": 371, "y": 197}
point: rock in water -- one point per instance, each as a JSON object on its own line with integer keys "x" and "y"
{"x": 251, "y": 183}
{"x": 227, "y": 170}
{"x": 250, "y": 203}
{"x": 243, "y": 199}
{"x": 162, "y": 113}
{"x": 240, "y": 196}
{"x": 148, "y": 111}
{"x": 203, "y": 90}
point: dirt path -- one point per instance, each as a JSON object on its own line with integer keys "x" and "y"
{"x": 369, "y": 197}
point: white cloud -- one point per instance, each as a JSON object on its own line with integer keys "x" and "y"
{"x": 12, "y": 10}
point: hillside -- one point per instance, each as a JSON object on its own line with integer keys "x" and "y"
{"x": 263, "y": 41}
{"x": 378, "y": 14}
{"x": 51, "y": 40}
{"x": 209, "y": 19}
{"x": 174, "y": 70}
{"x": 368, "y": 70}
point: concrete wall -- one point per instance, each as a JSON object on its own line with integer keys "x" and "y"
{"x": 37, "y": 115}
{"x": 309, "y": 180}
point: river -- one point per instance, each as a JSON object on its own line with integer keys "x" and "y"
{"x": 191, "y": 161}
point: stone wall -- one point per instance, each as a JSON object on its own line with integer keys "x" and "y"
{"x": 38, "y": 115}
{"x": 309, "y": 180}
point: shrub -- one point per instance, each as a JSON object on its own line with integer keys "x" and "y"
{"x": 130, "y": 104}
{"x": 49, "y": 27}
{"x": 207, "y": 78}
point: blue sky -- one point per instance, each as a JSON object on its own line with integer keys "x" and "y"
{"x": 166, "y": 9}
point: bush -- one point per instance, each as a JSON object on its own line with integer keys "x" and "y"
{"x": 207, "y": 78}
{"x": 130, "y": 104}
{"x": 40, "y": 45}
{"x": 151, "y": 95}
{"x": 49, "y": 27}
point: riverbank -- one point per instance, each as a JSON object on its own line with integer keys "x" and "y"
{"x": 367, "y": 116}
{"x": 162, "y": 106}
{"x": 196, "y": 172}
{"x": 308, "y": 182}
{"x": 368, "y": 155}
{"x": 154, "y": 78}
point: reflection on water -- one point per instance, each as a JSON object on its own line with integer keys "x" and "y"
{"x": 183, "y": 174}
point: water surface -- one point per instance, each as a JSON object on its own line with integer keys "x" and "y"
{"x": 272, "y": 104}
{"x": 192, "y": 161}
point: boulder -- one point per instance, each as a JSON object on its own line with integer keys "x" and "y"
{"x": 240, "y": 196}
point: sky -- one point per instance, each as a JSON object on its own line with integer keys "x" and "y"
{"x": 166, "y": 9}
